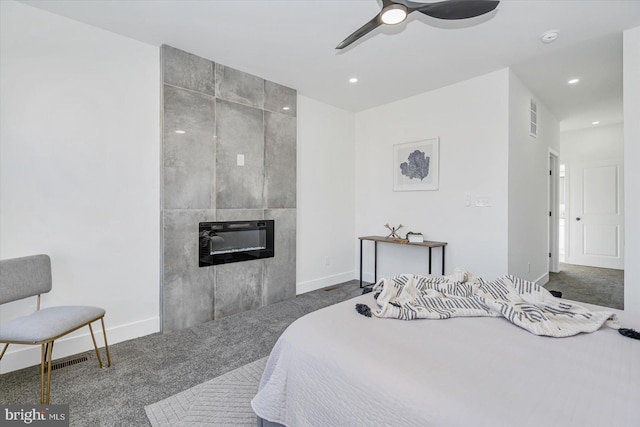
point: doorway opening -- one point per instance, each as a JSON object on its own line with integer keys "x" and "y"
{"x": 591, "y": 215}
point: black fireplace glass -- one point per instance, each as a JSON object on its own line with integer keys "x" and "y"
{"x": 233, "y": 241}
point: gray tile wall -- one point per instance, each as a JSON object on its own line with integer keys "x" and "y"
{"x": 188, "y": 160}
{"x": 224, "y": 112}
{"x": 240, "y": 131}
{"x": 280, "y": 160}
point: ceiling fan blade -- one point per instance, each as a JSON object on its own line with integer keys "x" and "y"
{"x": 458, "y": 9}
{"x": 365, "y": 29}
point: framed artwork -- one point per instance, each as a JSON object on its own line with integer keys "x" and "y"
{"x": 416, "y": 165}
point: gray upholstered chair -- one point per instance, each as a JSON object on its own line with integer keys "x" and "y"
{"x": 30, "y": 276}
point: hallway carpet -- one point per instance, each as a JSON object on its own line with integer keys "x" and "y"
{"x": 593, "y": 285}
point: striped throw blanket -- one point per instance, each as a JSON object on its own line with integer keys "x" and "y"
{"x": 523, "y": 303}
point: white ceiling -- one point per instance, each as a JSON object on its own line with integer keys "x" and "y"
{"x": 292, "y": 42}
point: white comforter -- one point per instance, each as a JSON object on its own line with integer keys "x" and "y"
{"x": 335, "y": 367}
{"x": 523, "y": 303}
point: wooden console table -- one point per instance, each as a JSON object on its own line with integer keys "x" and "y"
{"x": 376, "y": 239}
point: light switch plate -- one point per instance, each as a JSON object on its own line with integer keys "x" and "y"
{"x": 240, "y": 159}
{"x": 483, "y": 202}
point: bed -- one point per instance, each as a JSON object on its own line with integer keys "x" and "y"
{"x": 336, "y": 367}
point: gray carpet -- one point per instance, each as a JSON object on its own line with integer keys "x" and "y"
{"x": 600, "y": 286}
{"x": 152, "y": 368}
{"x": 224, "y": 401}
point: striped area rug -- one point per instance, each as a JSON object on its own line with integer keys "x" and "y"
{"x": 222, "y": 401}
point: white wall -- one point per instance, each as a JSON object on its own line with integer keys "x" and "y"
{"x": 325, "y": 195}
{"x": 631, "y": 76}
{"x": 594, "y": 143}
{"x": 471, "y": 120}
{"x": 79, "y": 175}
{"x": 528, "y": 184}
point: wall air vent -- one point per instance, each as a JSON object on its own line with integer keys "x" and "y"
{"x": 533, "y": 119}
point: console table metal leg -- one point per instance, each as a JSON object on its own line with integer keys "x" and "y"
{"x": 375, "y": 262}
{"x": 361, "y": 263}
{"x": 443, "y": 260}
{"x": 429, "y": 259}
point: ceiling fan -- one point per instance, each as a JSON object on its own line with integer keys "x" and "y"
{"x": 394, "y": 12}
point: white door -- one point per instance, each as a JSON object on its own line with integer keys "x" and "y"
{"x": 596, "y": 217}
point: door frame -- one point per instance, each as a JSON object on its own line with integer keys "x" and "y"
{"x": 553, "y": 207}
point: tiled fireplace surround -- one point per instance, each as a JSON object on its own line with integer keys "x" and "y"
{"x": 224, "y": 112}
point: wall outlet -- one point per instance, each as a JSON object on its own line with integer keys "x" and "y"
{"x": 327, "y": 261}
{"x": 528, "y": 267}
{"x": 240, "y": 159}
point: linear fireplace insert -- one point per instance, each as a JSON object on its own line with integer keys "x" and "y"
{"x": 234, "y": 241}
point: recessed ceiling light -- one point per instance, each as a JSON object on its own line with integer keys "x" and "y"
{"x": 573, "y": 81}
{"x": 353, "y": 80}
{"x": 393, "y": 14}
{"x": 286, "y": 108}
{"x": 549, "y": 36}
{"x": 595, "y": 123}
{"x": 181, "y": 131}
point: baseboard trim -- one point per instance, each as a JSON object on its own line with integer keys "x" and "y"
{"x": 24, "y": 356}
{"x": 543, "y": 280}
{"x": 323, "y": 282}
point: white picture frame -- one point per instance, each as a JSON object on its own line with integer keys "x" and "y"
{"x": 416, "y": 165}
